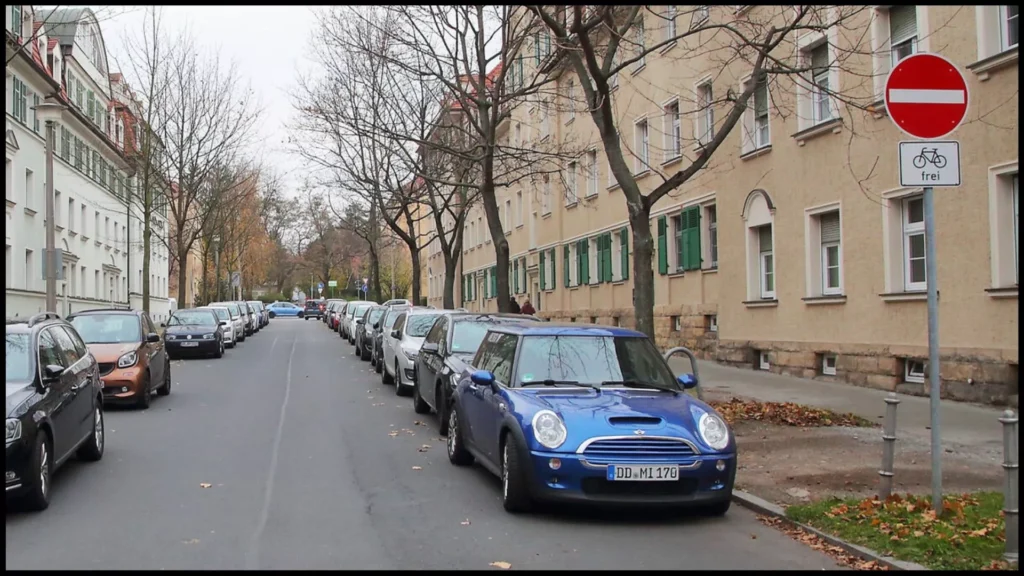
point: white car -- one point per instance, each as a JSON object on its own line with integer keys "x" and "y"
{"x": 224, "y": 316}
{"x": 237, "y": 319}
{"x": 348, "y": 320}
{"x": 402, "y": 344}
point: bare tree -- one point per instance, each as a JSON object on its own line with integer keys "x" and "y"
{"x": 329, "y": 248}
{"x": 360, "y": 218}
{"x": 597, "y": 43}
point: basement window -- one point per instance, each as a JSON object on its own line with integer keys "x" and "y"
{"x": 913, "y": 371}
{"x": 762, "y": 360}
{"x": 828, "y": 364}
{"x": 677, "y": 324}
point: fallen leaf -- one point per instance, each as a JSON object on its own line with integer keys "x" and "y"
{"x": 753, "y": 536}
{"x": 418, "y": 423}
{"x": 192, "y": 541}
{"x": 501, "y": 565}
{"x": 785, "y": 413}
{"x": 424, "y": 448}
{"x": 417, "y": 468}
{"x": 205, "y": 485}
{"x": 465, "y": 522}
{"x": 393, "y": 433}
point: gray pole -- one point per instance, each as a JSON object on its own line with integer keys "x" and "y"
{"x": 888, "y": 447}
{"x": 933, "y": 346}
{"x": 392, "y": 271}
{"x": 1011, "y": 498}
{"x": 51, "y": 240}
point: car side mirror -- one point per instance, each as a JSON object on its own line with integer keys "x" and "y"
{"x": 396, "y": 334}
{"x": 429, "y": 347}
{"x": 163, "y": 325}
{"x": 52, "y": 373}
{"x": 153, "y": 338}
{"x": 482, "y": 377}
{"x": 359, "y": 320}
{"x": 689, "y": 381}
{"x": 223, "y": 322}
{"x": 376, "y": 326}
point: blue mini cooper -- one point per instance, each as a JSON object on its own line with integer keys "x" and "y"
{"x": 564, "y": 412}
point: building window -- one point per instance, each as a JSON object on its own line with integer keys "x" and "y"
{"x": 1010, "y": 33}
{"x": 71, "y": 214}
{"x": 56, "y": 209}
{"x": 705, "y": 124}
{"x": 700, "y": 16}
{"x": 677, "y": 324}
{"x": 519, "y": 208}
{"x": 545, "y": 119}
{"x": 591, "y": 173}
{"x": 766, "y": 261}
{"x": 570, "y": 183}
{"x": 35, "y": 117}
{"x": 570, "y": 95}
{"x": 30, "y": 189}
{"x": 481, "y": 231}
{"x": 670, "y": 22}
{"x": 831, "y": 268}
{"x": 902, "y": 32}
{"x": 762, "y": 360}
{"x": 673, "y": 132}
{"x": 545, "y": 201}
{"x": 643, "y": 142}
{"x": 20, "y": 100}
{"x": 711, "y": 322}
{"x": 1003, "y": 215}
{"x": 913, "y": 371}
{"x": 828, "y": 364}
{"x": 711, "y": 216}
{"x": 914, "y": 273}
{"x": 762, "y": 135}
{"x": 506, "y": 224}
{"x": 687, "y": 239}
{"x": 82, "y": 222}
{"x": 641, "y": 43}
{"x": 30, "y": 269}
{"x": 821, "y": 107}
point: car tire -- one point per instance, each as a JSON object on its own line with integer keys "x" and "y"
{"x": 457, "y": 453}
{"x": 220, "y": 350}
{"x": 165, "y": 390}
{"x": 419, "y": 406}
{"x": 273, "y": 315}
{"x": 380, "y": 365}
{"x": 363, "y": 354}
{"x": 399, "y": 389}
{"x": 92, "y": 450}
{"x": 385, "y": 378}
{"x": 142, "y": 402}
{"x": 41, "y": 463}
{"x": 515, "y": 495}
{"x": 718, "y": 508}
{"x": 300, "y": 315}
{"x": 442, "y": 410}
{"x": 356, "y": 349}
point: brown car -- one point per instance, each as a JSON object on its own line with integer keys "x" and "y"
{"x": 130, "y": 353}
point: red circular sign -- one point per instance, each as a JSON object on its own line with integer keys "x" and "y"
{"x": 926, "y": 96}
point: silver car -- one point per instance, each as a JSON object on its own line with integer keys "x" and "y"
{"x": 348, "y": 319}
{"x": 402, "y": 345}
{"x": 238, "y": 320}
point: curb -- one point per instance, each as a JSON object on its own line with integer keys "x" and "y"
{"x": 766, "y": 508}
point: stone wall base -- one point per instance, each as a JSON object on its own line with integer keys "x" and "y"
{"x": 970, "y": 375}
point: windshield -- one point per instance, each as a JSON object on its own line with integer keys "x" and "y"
{"x": 19, "y": 361}
{"x": 255, "y": 305}
{"x": 375, "y": 315}
{"x": 592, "y": 360}
{"x": 417, "y": 326}
{"x": 393, "y": 315}
{"x": 192, "y": 318}
{"x": 221, "y": 313}
{"x": 108, "y": 329}
{"x": 361, "y": 309}
{"x": 468, "y": 336}
{"x": 230, "y": 306}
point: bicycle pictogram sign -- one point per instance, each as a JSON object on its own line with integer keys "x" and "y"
{"x": 929, "y": 156}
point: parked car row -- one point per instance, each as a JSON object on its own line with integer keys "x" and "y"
{"x": 559, "y": 412}
{"x": 62, "y": 372}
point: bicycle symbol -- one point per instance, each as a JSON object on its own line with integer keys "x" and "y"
{"x": 929, "y": 156}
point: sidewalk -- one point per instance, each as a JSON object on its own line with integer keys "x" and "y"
{"x": 966, "y": 428}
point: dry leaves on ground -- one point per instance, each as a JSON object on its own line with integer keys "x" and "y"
{"x": 205, "y": 484}
{"x": 901, "y": 516}
{"x": 502, "y": 565}
{"x": 784, "y": 413}
{"x": 815, "y": 542}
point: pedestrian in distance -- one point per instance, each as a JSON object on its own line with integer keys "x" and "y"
{"x": 514, "y": 306}
{"x": 528, "y": 308}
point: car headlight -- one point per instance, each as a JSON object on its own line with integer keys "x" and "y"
{"x": 548, "y": 429}
{"x": 13, "y": 429}
{"x": 714, "y": 431}
{"x": 209, "y": 336}
{"x": 170, "y": 337}
{"x": 128, "y": 359}
{"x": 410, "y": 353}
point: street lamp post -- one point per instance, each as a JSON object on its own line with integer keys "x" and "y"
{"x": 49, "y": 113}
{"x": 216, "y": 264}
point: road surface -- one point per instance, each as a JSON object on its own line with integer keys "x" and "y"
{"x": 295, "y": 438}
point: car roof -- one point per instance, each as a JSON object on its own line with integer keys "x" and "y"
{"x": 422, "y": 310}
{"x": 108, "y": 311}
{"x": 458, "y": 316}
{"x": 39, "y": 320}
{"x": 568, "y": 329}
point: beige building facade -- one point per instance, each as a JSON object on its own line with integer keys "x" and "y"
{"x": 796, "y": 250}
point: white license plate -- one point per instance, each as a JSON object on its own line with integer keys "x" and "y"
{"x": 190, "y": 344}
{"x": 642, "y": 473}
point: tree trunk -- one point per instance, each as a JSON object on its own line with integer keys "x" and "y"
{"x": 500, "y": 245}
{"x": 146, "y": 234}
{"x": 643, "y": 269}
{"x": 182, "y": 273}
{"x": 450, "y": 268}
{"x": 375, "y": 275}
{"x": 414, "y": 252}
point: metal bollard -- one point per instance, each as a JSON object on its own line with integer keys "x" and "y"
{"x": 1011, "y": 498}
{"x": 888, "y": 446}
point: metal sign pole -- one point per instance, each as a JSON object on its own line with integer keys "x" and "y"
{"x": 931, "y": 275}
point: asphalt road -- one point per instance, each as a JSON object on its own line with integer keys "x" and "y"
{"x": 296, "y": 438}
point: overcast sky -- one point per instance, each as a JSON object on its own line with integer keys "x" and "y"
{"x": 269, "y": 45}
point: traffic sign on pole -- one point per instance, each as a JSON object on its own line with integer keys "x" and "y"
{"x": 926, "y": 96}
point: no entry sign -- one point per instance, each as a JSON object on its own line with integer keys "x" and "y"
{"x": 926, "y": 96}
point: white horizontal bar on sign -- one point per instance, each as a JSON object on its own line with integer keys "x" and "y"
{"x": 910, "y": 96}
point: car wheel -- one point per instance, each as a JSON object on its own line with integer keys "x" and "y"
{"x": 356, "y": 349}
{"x": 142, "y": 402}
{"x": 38, "y": 496}
{"x": 385, "y": 378}
{"x": 273, "y": 315}
{"x": 300, "y": 314}
{"x": 380, "y": 365}
{"x": 418, "y": 405}
{"x": 515, "y": 496}
{"x": 166, "y": 388}
{"x": 457, "y": 453}
{"x": 92, "y": 450}
{"x": 399, "y": 389}
{"x": 363, "y": 354}
{"x": 442, "y": 410}
{"x": 220, "y": 350}
{"x": 718, "y": 508}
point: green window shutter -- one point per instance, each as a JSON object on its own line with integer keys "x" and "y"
{"x": 487, "y": 284}
{"x": 515, "y": 266}
{"x": 536, "y": 48}
{"x": 624, "y": 237}
{"x": 693, "y": 255}
{"x": 543, "y": 285}
{"x": 662, "y": 245}
{"x": 566, "y": 266}
{"x": 464, "y": 284}
{"x": 494, "y": 281}
{"x": 586, "y": 261}
{"x": 608, "y": 257}
{"x": 551, "y": 281}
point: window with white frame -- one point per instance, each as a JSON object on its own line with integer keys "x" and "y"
{"x": 593, "y": 254}
{"x": 914, "y": 371}
{"x": 762, "y": 134}
{"x": 642, "y": 146}
{"x": 1009, "y": 31}
{"x": 711, "y": 218}
{"x": 570, "y": 95}
{"x": 480, "y": 230}
{"x": 545, "y": 201}
{"x": 705, "y": 124}
{"x": 673, "y": 131}
{"x": 56, "y": 209}
{"x": 914, "y": 272}
{"x": 507, "y": 222}
{"x": 902, "y": 32}
{"x": 519, "y": 209}
{"x": 828, "y": 364}
{"x": 640, "y": 35}
{"x": 570, "y": 183}
{"x": 545, "y": 126}
{"x": 766, "y": 261}
{"x": 670, "y": 22}
{"x": 831, "y": 256}
{"x": 821, "y": 108}
{"x": 700, "y": 16}
{"x": 71, "y": 214}
{"x": 591, "y": 173}
{"x": 1003, "y": 217}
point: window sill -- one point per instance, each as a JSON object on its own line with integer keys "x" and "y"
{"x": 756, "y": 152}
{"x": 878, "y": 109}
{"x": 765, "y": 303}
{"x": 825, "y": 300}
{"x": 676, "y": 274}
{"x": 30, "y": 211}
{"x": 638, "y": 69}
{"x": 573, "y": 288}
{"x": 618, "y": 282}
{"x": 674, "y": 160}
{"x": 59, "y": 228}
{"x": 518, "y": 226}
{"x": 594, "y": 284}
{"x": 914, "y": 296}
{"x": 712, "y": 270}
{"x": 831, "y": 126}
{"x": 107, "y": 247}
{"x": 699, "y": 147}
{"x": 982, "y": 68}
{"x": 570, "y": 120}
{"x": 72, "y": 233}
{"x": 667, "y": 47}
{"x": 613, "y": 187}
{"x": 1001, "y": 293}
{"x": 98, "y": 243}
{"x": 11, "y": 203}
{"x": 85, "y": 238}
{"x": 642, "y": 174}
{"x": 571, "y": 205}
{"x": 546, "y": 215}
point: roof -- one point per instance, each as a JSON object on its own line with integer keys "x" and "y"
{"x": 62, "y": 23}
{"x": 569, "y": 329}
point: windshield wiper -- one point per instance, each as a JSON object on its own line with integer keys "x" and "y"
{"x": 550, "y": 382}
{"x": 639, "y": 384}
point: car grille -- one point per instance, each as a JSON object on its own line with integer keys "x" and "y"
{"x": 602, "y": 487}
{"x": 637, "y": 450}
{"x": 106, "y": 368}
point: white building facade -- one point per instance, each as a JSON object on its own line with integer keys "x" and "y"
{"x": 100, "y": 247}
